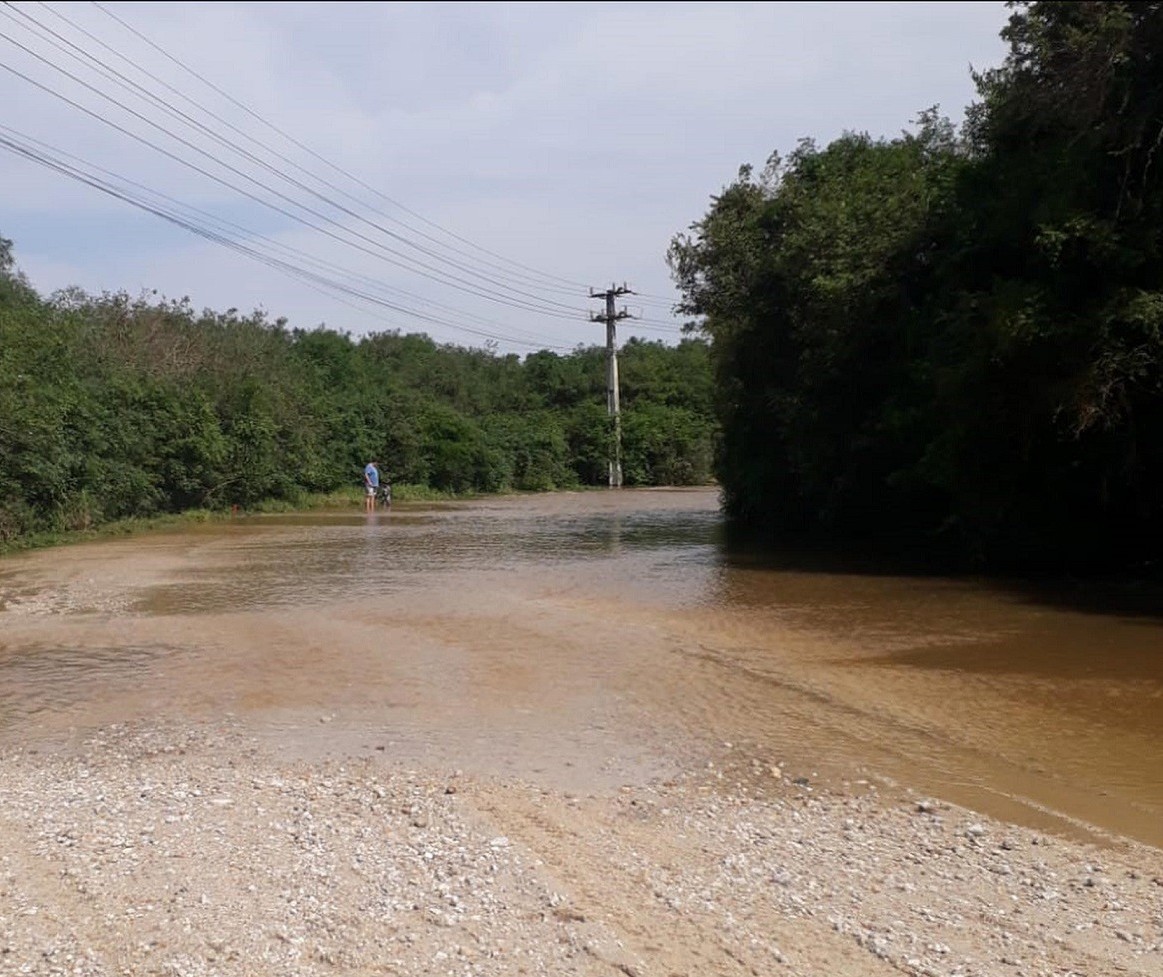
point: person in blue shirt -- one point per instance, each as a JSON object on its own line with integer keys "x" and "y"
{"x": 371, "y": 484}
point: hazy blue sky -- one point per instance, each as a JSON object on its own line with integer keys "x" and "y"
{"x": 576, "y": 139}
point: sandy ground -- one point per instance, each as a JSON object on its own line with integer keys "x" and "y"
{"x": 572, "y": 825}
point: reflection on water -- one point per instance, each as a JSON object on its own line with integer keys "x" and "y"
{"x": 981, "y": 690}
{"x": 297, "y": 560}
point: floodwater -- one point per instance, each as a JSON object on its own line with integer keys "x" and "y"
{"x": 591, "y": 639}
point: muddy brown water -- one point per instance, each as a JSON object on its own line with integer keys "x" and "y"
{"x": 592, "y": 639}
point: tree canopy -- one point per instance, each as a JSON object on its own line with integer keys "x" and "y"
{"x": 952, "y": 340}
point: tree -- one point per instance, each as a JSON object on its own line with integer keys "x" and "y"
{"x": 1049, "y": 369}
{"x": 810, "y": 282}
{"x": 113, "y": 406}
{"x": 956, "y": 341}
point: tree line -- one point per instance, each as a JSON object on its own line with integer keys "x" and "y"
{"x": 950, "y": 342}
{"x": 113, "y": 407}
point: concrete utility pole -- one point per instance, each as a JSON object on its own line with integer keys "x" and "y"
{"x": 613, "y": 406}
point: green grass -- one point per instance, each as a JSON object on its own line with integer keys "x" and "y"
{"x": 307, "y": 501}
{"x": 346, "y": 498}
{"x": 424, "y": 493}
{"x": 120, "y": 527}
{"x": 353, "y": 497}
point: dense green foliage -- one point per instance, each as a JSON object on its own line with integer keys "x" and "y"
{"x": 950, "y": 340}
{"x": 113, "y": 408}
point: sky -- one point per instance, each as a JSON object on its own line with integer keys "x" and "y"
{"x": 466, "y": 170}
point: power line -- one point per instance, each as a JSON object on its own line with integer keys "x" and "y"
{"x": 432, "y": 273}
{"x": 494, "y": 289}
{"x": 172, "y": 110}
{"x": 305, "y": 276}
{"x": 135, "y": 88}
{"x": 528, "y": 302}
{"x": 302, "y": 146}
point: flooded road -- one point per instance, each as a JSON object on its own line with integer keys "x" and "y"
{"x": 588, "y": 640}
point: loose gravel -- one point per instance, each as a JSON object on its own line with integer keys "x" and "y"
{"x": 196, "y": 850}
